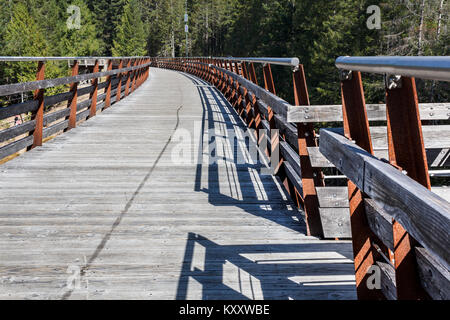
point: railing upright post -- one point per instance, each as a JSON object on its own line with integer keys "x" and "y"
{"x": 307, "y": 138}
{"x": 406, "y": 152}
{"x": 253, "y": 73}
{"x": 93, "y": 95}
{"x": 72, "y": 103}
{"x": 108, "y": 88}
{"x": 119, "y": 86}
{"x": 356, "y": 128}
{"x": 38, "y": 116}
{"x": 127, "y": 85}
{"x": 244, "y": 70}
{"x": 133, "y": 84}
{"x": 268, "y": 79}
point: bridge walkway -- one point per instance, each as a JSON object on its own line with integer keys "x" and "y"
{"x": 119, "y": 208}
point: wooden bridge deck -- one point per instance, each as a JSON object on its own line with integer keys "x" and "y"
{"x": 106, "y": 201}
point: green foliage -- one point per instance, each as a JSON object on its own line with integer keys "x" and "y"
{"x": 315, "y": 31}
{"x": 107, "y": 15}
{"x": 130, "y": 35}
{"x": 22, "y": 38}
{"x": 83, "y": 41}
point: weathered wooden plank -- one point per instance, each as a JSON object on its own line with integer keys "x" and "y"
{"x": 398, "y": 195}
{"x": 435, "y": 277}
{"x": 335, "y": 222}
{"x": 332, "y": 197}
{"x": 9, "y": 89}
{"x": 380, "y": 223}
{"x": 291, "y": 156}
{"x": 15, "y": 109}
{"x": 434, "y": 137}
{"x": 293, "y": 177}
{"x": 387, "y": 280}
{"x": 17, "y": 130}
{"x": 49, "y": 131}
{"x": 15, "y": 146}
{"x": 438, "y": 157}
{"x": 375, "y": 112}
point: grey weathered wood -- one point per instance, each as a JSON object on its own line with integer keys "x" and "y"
{"x": 9, "y": 89}
{"x": 291, "y": 156}
{"x": 332, "y": 197}
{"x": 400, "y": 196}
{"x": 437, "y": 136}
{"x": 380, "y": 223}
{"x": 435, "y": 277}
{"x": 335, "y": 222}
{"x": 436, "y": 157}
{"x": 387, "y": 280}
{"x": 15, "y": 146}
{"x": 293, "y": 177}
{"x": 15, "y": 109}
{"x": 17, "y": 130}
{"x": 375, "y": 112}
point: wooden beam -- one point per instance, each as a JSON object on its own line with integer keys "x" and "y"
{"x": 398, "y": 195}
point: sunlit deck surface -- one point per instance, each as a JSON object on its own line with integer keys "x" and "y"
{"x": 104, "y": 212}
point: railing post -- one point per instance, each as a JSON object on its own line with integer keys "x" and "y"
{"x": 38, "y": 116}
{"x": 93, "y": 96}
{"x": 253, "y": 73}
{"x": 119, "y": 86}
{"x": 269, "y": 86}
{"x": 72, "y": 103}
{"x": 310, "y": 178}
{"x": 356, "y": 128}
{"x": 406, "y": 152}
{"x": 133, "y": 83}
{"x": 108, "y": 88}
{"x": 268, "y": 79}
{"x": 127, "y": 85}
{"x": 244, "y": 70}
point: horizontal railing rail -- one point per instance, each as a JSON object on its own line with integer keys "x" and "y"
{"x": 293, "y": 62}
{"x": 128, "y": 74}
{"x": 431, "y": 68}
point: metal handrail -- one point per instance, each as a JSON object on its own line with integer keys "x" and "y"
{"x": 292, "y": 62}
{"x": 431, "y": 67}
{"x": 23, "y": 59}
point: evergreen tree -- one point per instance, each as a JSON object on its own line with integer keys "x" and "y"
{"x": 22, "y": 38}
{"x": 83, "y": 41}
{"x": 108, "y": 13}
{"x": 130, "y": 38}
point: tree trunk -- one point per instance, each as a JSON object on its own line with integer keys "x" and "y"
{"x": 422, "y": 13}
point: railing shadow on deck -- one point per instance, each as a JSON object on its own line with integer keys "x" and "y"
{"x": 264, "y": 271}
{"x": 210, "y": 97}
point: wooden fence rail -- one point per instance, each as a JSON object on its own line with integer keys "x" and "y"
{"x": 45, "y": 123}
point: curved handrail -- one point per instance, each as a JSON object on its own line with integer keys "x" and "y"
{"x": 292, "y": 62}
{"x": 431, "y": 67}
